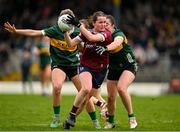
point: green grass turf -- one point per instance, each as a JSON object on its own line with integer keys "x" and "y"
{"x": 34, "y": 113}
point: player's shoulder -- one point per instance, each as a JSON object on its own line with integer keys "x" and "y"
{"x": 53, "y": 28}
{"x": 106, "y": 33}
{"x": 118, "y": 32}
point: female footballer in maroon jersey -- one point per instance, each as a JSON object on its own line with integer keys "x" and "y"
{"x": 93, "y": 67}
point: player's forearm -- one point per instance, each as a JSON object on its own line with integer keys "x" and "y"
{"x": 89, "y": 36}
{"x": 115, "y": 44}
{"x": 28, "y": 32}
{"x": 68, "y": 39}
{"x": 112, "y": 46}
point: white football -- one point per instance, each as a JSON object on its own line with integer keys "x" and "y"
{"x": 63, "y": 25}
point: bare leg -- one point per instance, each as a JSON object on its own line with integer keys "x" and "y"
{"x": 45, "y": 79}
{"x": 86, "y": 83}
{"x": 58, "y": 78}
{"x": 124, "y": 81}
{"x": 112, "y": 93}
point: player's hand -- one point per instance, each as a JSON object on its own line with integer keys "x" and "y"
{"x": 100, "y": 49}
{"x": 10, "y": 28}
{"x": 73, "y": 20}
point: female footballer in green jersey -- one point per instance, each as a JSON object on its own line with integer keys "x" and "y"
{"x": 42, "y": 49}
{"x": 64, "y": 61}
{"x": 122, "y": 71}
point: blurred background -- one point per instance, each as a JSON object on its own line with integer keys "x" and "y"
{"x": 152, "y": 28}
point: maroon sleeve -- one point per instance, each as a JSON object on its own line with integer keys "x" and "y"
{"x": 107, "y": 35}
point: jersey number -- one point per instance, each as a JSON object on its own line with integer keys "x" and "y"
{"x": 129, "y": 57}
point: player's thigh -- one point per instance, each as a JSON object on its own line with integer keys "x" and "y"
{"x": 47, "y": 70}
{"x": 58, "y": 77}
{"x": 126, "y": 78}
{"x": 86, "y": 80}
{"x": 76, "y": 81}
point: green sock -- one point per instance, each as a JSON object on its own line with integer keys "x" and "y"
{"x": 131, "y": 115}
{"x": 93, "y": 115}
{"x": 56, "y": 110}
{"x": 111, "y": 118}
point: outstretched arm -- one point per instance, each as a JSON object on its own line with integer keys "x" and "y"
{"x": 27, "y": 32}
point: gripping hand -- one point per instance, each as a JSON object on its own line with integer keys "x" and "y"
{"x": 73, "y": 20}
{"x": 100, "y": 49}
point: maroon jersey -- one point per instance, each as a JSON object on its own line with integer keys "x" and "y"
{"x": 89, "y": 56}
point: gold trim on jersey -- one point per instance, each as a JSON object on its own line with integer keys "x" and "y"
{"x": 125, "y": 40}
{"x": 62, "y": 45}
{"x": 44, "y": 51}
{"x": 120, "y": 47}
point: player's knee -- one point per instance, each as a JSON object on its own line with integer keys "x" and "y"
{"x": 121, "y": 89}
{"x": 111, "y": 98}
{"x": 57, "y": 88}
{"x": 86, "y": 91}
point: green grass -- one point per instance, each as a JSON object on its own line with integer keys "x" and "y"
{"x": 34, "y": 113}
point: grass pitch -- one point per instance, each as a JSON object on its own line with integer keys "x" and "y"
{"x": 34, "y": 113}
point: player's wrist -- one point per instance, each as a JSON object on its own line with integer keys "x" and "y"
{"x": 106, "y": 48}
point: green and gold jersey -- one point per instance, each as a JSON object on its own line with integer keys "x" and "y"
{"x": 123, "y": 56}
{"x": 61, "y": 54}
{"x": 44, "y": 54}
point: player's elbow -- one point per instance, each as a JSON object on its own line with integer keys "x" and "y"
{"x": 35, "y": 33}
